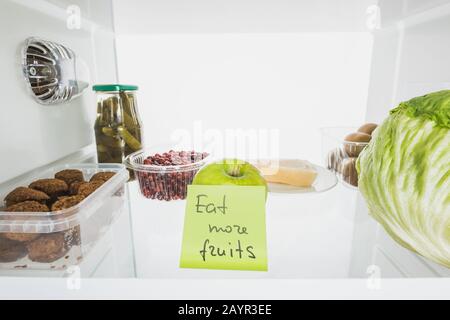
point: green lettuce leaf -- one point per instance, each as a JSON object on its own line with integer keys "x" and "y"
{"x": 404, "y": 175}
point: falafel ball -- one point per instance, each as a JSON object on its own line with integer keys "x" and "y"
{"x": 47, "y": 248}
{"x": 86, "y": 189}
{"x": 26, "y": 206}
{"x": 75, "y": 186}
{"x": 67, "y": 202}
{"x": 11, "y": 251}
{"x": 104, "y": 176}
{"x": 22, "y": 194}
{"x": 70, "y": 176}
{"x": 52, "y": 187}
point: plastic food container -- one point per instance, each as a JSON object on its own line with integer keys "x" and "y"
{"x": 60, "y": 239}
{"x": 159, "y": 181}
{"x": 340, "y": 156}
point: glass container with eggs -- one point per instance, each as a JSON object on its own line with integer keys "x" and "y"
{"x": 341, "y": 148}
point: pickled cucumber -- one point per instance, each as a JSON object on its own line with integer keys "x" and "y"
{"x": 118, "y": 129}
{"x": 108, "y": 132}
{"x": 111, "y": 142}
{"x": 131, "y": 141}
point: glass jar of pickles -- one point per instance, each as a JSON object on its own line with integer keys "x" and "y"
{"x": 118, "y": 127}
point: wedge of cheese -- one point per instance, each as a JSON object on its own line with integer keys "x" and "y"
{"x": 299, "y": 173}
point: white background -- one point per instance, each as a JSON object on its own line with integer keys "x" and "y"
{"x": 292, "y": 66}
{"x": 294, "y": 83}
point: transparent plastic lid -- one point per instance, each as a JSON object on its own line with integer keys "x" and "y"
{"x": 46, "y": 222}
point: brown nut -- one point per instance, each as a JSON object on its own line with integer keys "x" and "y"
{"x": 22, "y": 194}
{"x": 349, "y": 173}
{"x": 367, "y": 128}
{"x": 355, "y": 142}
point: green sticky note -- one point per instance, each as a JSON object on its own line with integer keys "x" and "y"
{"x": 225, "y": 228}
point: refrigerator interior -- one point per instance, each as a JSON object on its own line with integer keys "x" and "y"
{"x": 207, "y": 68}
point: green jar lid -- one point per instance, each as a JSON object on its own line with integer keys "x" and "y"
{"x": 114, "y": 87}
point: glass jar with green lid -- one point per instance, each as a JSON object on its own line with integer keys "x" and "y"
{"x": 118, "y": 127}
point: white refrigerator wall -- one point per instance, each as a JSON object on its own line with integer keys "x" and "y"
{"x": 410, "y": 55}
{"x": 410, "y": 58}
{"x": 211, "y": 67}
{"x": 32, "y": 135}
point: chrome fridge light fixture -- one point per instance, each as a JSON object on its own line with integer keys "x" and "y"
{"x": 53, "y": 72}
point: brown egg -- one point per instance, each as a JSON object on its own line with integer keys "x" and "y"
{"x": 349, "y": 173}
{"x": 357, "y": 137}
{"x": 367, "y": 128}
{"x": 355, "y": 142}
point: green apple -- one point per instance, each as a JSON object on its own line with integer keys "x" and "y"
{"x": 230, "y": 172}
